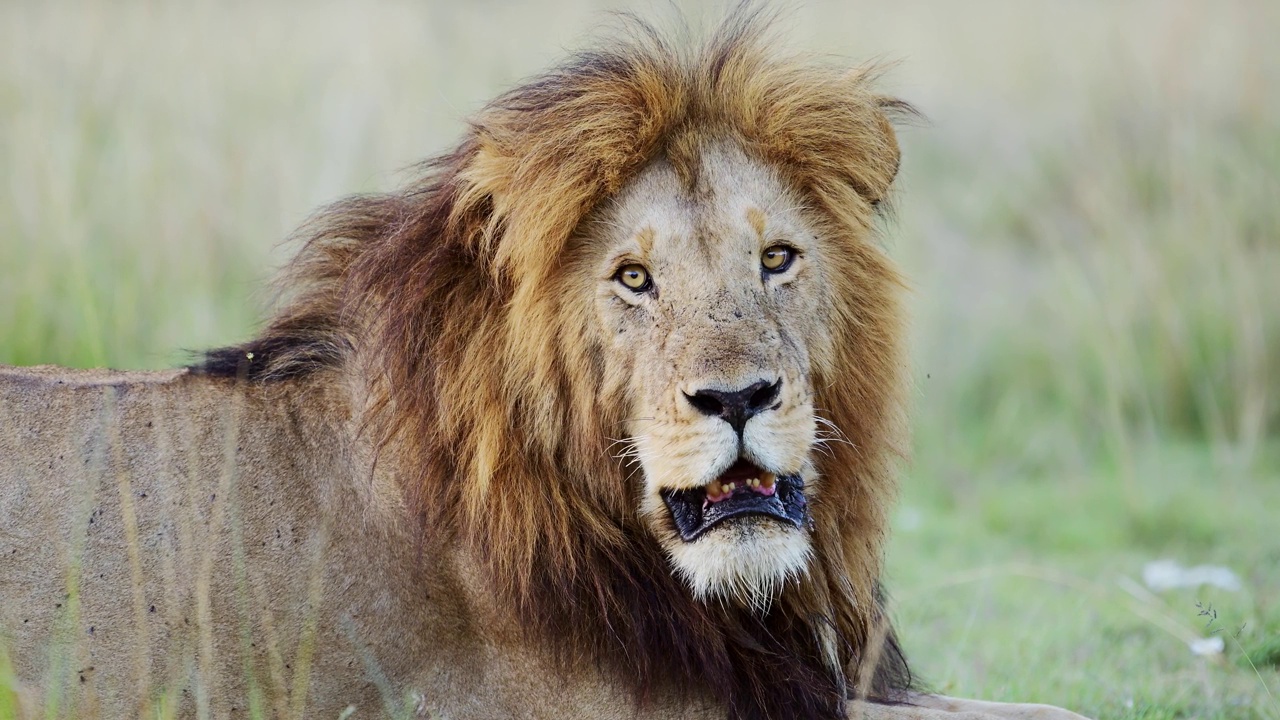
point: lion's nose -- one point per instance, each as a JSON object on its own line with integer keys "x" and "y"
{"x": 736, "y": 407}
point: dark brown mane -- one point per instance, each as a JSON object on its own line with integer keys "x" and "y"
{"x": 443, "y": 299}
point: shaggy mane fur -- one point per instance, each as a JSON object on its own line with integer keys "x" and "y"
{"x": 442, "y": 299}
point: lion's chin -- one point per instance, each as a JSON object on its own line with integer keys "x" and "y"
{"x": 747, "y": 560}
{"x": 740, "y": 538}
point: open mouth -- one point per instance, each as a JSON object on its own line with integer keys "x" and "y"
{"x": 743, "y": 489}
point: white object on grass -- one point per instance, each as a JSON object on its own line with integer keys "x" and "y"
{"x": 1168, "y": 574}
{"x": 1212, "y": 645}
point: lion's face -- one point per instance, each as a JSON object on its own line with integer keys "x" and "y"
{"x": 710, "y": 306}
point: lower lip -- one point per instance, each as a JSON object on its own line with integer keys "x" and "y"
{"x": 693, "y": 516}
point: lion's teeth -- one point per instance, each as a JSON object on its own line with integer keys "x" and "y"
{"x": 768, "y": 479}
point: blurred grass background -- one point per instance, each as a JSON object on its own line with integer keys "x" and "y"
{"x": 1091, "y": 219}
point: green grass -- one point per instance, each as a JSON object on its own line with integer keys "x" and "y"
{"x": 1091, "y": 220}
{"x": 1027, "y": 585}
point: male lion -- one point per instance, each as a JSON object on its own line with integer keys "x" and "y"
{"x": 597, "y": 419}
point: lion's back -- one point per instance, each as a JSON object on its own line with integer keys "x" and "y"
{"x": 143, "y": 517}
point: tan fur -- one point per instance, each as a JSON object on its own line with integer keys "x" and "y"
{"x": 407, "y": 494}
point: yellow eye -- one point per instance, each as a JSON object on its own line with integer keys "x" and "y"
{"x": 634, "y": 277}
{"x": 777, "y": 258}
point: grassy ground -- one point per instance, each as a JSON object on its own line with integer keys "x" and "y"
{"x": 1091, "y": 219}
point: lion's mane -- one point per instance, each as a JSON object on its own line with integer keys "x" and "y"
{"x": 442, "y": 301}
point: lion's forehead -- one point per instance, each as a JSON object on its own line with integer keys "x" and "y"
{"x": 733, "y": 202}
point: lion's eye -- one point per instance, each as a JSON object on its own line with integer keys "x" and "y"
{"x": 777, "y": 258}
{"x": 634, "y": 277}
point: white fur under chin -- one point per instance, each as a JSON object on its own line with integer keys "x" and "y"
{"x": 748, "y": 560}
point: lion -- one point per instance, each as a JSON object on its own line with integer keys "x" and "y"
{"x": 599, "y": 418}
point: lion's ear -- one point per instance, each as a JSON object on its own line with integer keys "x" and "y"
{"x": 883, "y": 155}
{"x": 531, "y": 202}
{"x": 826, "y": 126}
{"x": 862, "y": 144}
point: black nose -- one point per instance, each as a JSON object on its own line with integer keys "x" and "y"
{"x": 736, "y": 407}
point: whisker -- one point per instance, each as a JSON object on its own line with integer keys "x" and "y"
{"x": 832, "y": 432}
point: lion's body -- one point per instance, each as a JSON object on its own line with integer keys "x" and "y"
{"x": 239, "y": 508}
{"x": 599, "y": 418}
